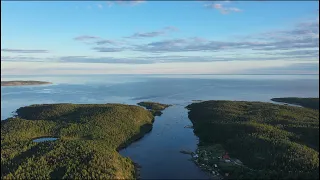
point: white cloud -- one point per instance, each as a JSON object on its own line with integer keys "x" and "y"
{"x": 224, "y": 7}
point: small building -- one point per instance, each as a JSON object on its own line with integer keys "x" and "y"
{"x": 195, "y": 156}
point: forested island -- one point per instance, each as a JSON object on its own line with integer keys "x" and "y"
{"x": 89, "y": 137}
{"x": 155, "y": 108}
{"x": 255, "y": 140}
{"x": 23, "y": 83}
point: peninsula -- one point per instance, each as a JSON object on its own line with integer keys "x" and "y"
{"x": 23, "y": 83}
{"x": 87, "y": 140}
{"x": 256, "y": 140}
{"x": 155, "y": 108}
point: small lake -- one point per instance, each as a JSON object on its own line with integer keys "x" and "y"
{"x": 44, "y": 139}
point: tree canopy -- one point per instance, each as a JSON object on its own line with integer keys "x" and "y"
{"x": 89, "y": 136}
{"x": 274, "y": 141}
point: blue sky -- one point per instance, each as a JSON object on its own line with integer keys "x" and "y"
{"x": 138, "y": 37}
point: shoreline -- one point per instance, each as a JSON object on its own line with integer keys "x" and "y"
{"x": 144, "y": 130}
{"x": 24, "y": 83}
{"x": 134, "y": 139}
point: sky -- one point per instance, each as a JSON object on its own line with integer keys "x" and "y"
{"x": 159, "y": 37}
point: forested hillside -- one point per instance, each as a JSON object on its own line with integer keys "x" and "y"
{"x": 272, "y": 141}
{"x": 89, "y": 136}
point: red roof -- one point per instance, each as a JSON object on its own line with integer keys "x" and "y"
{"x": 226, "y": 156}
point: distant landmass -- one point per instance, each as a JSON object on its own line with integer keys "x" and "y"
{"x": 23, "y": 83}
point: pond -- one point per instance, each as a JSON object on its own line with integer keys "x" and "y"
{"x": 42, "y": 139}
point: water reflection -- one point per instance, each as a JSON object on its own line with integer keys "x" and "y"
{"x": 44, "y": 139}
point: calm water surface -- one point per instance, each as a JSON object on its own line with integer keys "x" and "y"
{"x": 44, "y": 139}
{"x": 158, "y": 152}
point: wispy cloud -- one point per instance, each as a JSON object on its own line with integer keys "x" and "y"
{"x": 303, "y": 35}
{"x": 161, "y": 32}
{"x": 79, "y": 59}
{"x": 309, "y": 29}
{"x": 86, "y": 37}
{"x": 300, "y": 41}
{"x": 108, "y": 49}
{"x": 184, "y": 45}
{"x": 88, "y": 59}
{"x": 224, "y": 7}
{"x": 103, "y": 42}
{"x": 299, "y": 53}
{"x": 147, "y": 34}
{"x": 20, "y": 58}
{"x": 192, "y": 44}
{"x": 312, "y": 53}
{"x": 284, "y": 56}
{"x": 109, "y": 45}
{"x": 25, "y": 50}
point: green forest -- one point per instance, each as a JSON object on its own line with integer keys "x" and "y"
{"x": 273, "y": 141}
{"x": 89, "y": 137}
{"x": 155, "y": 108}
{"x": 312, "y": 103}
